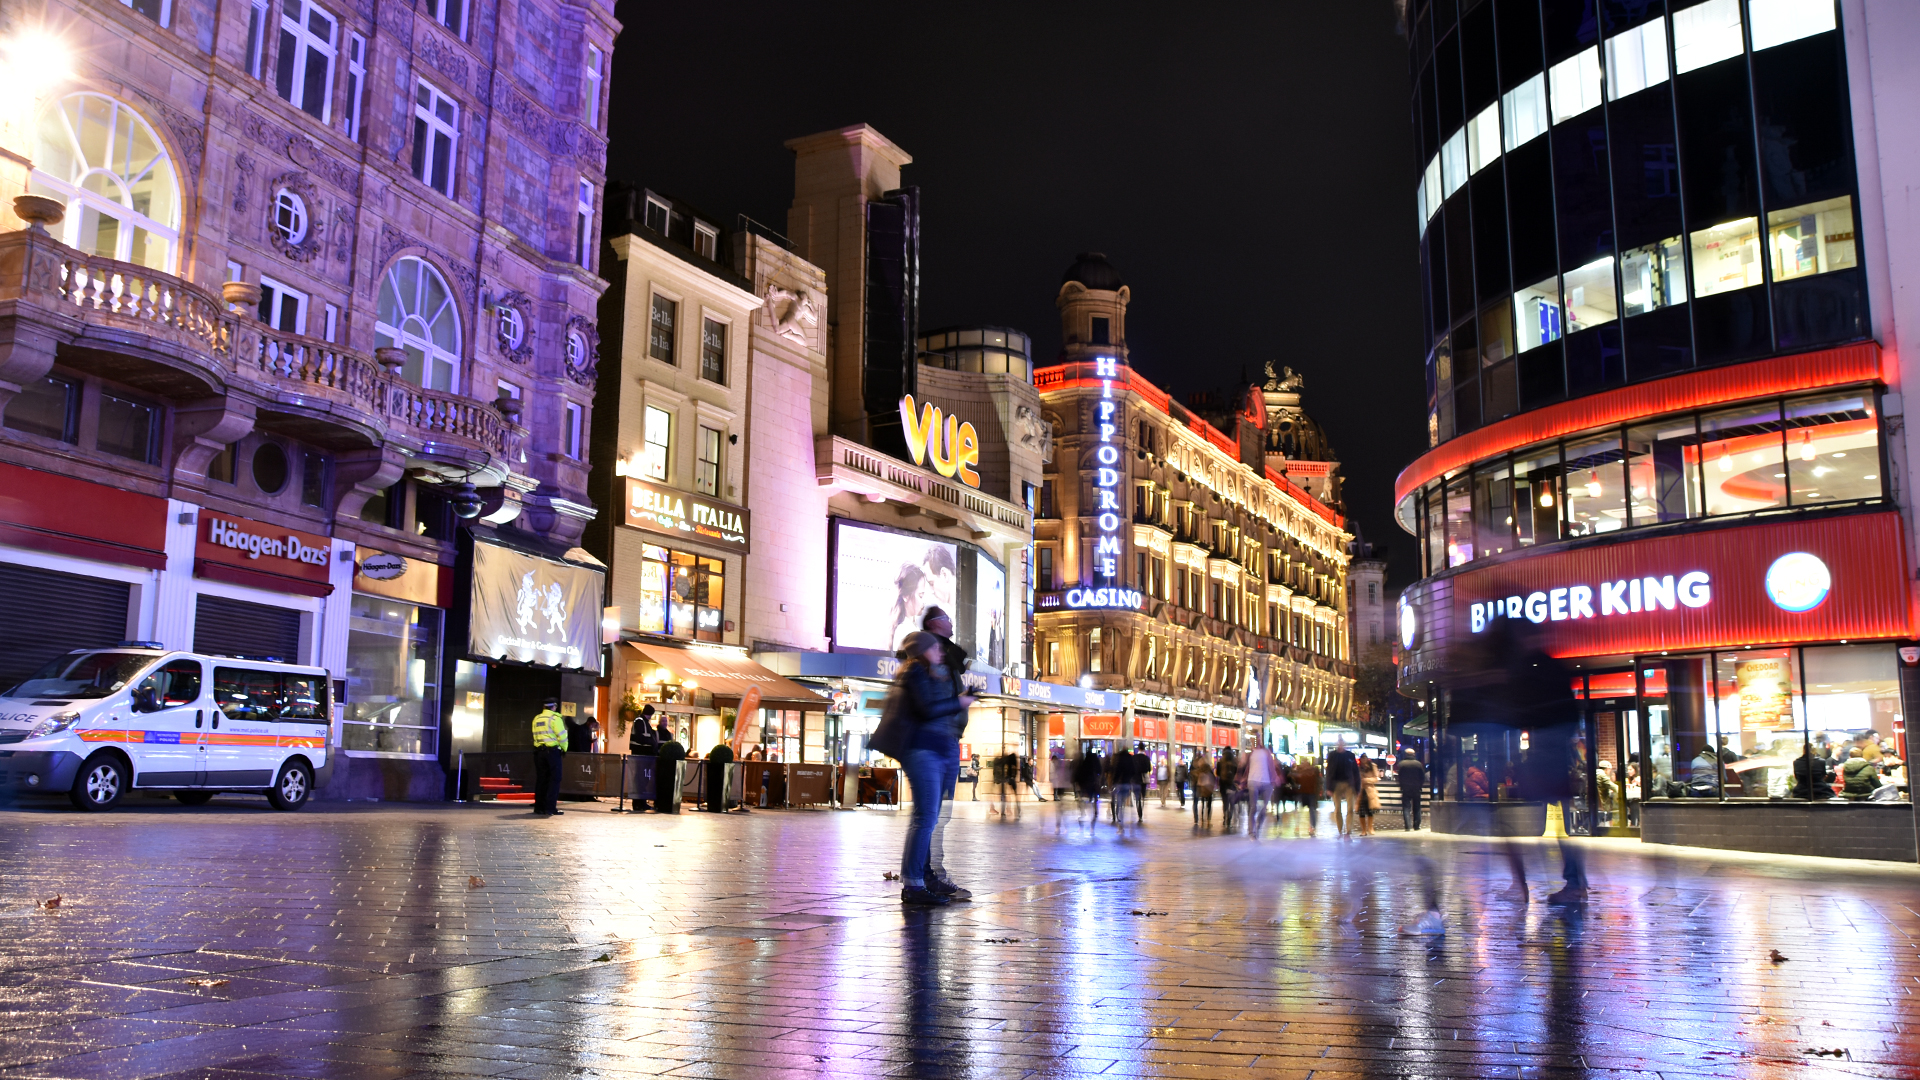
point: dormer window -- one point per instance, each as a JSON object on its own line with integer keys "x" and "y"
{"x": 706, "y": 240}
{"x": 1101, "y": 335}
{"x": 657, "y": 214}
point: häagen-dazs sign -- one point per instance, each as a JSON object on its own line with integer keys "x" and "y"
{"x": 535, "y": 610}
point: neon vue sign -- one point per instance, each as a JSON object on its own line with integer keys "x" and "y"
{"x": 954, "y": 450}
{"x": 1629, "y": 597}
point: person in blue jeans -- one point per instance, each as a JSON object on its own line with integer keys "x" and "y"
{"x": 936, "y": 714}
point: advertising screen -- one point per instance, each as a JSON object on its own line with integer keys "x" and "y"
{"x": 989, "y": 612}
{"x": 884, "y": 581}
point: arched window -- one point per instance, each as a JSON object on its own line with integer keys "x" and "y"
{"x": 101, "y": 159}
{"x": 417, "y": 314}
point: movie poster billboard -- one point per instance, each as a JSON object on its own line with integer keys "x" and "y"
{"x": 884, "y": 581}
{"x": 990, "y": 612}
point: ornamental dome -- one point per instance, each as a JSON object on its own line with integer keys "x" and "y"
{"x": 1091, "y": 268}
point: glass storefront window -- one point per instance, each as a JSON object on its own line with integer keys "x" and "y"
{"x": 393, "y": 668}
{"x": 1757, "y": 729}
{"x": 1523, "y": 112}
{"x": 1537, "y": 311}
{"x": 1459, "y": 521}
{"x": 1595, "y": 489}
{"x": 1726, "y": 257}
{"x": 1662, "y": 464}
{"x": 1588, "y": 295}
{"x": 1496, "y": 332}
{"x": 1745, "y": 469}
{"x": 1653, "y": 277}
{"x": 1853, "y": 717}
{"x": 1493, "y": 509}
{"x": 1812, "y": 239}
{"x": 1536, "y": 496}
{"x": 1833, "y": 449}
{"x": 681, "y": 594}
{"x": 1436, "y": 531}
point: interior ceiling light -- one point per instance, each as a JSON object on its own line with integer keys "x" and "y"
{"x": 1546, "y": 496}
{"x": 1593, "y": 484}
{"x": 1726, "y": 460}
{"x": 1806, "y": 446}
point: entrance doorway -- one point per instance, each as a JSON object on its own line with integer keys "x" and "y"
{"x": 1610, "y": 762}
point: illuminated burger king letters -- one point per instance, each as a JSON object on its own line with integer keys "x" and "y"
{"x": 1632, "y": 596}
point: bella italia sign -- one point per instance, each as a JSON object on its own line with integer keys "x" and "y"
{"x": 675, "y": 513}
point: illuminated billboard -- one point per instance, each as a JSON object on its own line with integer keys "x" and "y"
{"x": 885, "y": 579}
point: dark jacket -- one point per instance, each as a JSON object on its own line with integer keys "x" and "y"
{"x": 955, "y": 660}
{"x": 1812, "y": 772}
{"x": 642, "y": 740}
{"x": 933, "y": 701}
{"x": 1411, "y": 774}
{"x": 1342, "y": 768}
{"x": 1862, "y": 776}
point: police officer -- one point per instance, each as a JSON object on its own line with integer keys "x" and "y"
{"x": 549, "y": 750}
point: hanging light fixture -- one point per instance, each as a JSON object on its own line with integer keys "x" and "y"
{"x": 1593, "y": 484}
{"x": 1726, "y": 459}
{"x": 1806, "y": 446}
{"x": 1546, "y": 496}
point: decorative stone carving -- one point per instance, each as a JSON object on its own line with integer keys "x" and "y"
{"x": 189, "y": 131}
{"x": 38, "y": 211}
{"x": 519, "y": 111}
{"x": 583, "y": 362}
{"x": 795, "y": 314}
{"x": 313, "y": 241}
{"x": 517, "y": 325}
{"x": 1035, "y": 432}
{"x": 442, "y": 56}
{"x": 343, "y": 220}
{"x": 302, "y": 152}
{"x": 1289, "y": 382}
{"x": 242, "y": 174}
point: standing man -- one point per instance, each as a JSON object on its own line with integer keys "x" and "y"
{"x": 642, "y": 742}
{"x": 1413, "y": 783}
{"x": 1343, "y": 782}
{"x": 954, "y": 658}
{"x": 549, "y": 752}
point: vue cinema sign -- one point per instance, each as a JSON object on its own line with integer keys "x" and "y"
{"x": 954, "y": 449}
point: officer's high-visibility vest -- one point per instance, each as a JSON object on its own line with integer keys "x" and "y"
{"x": 549, "y": 730}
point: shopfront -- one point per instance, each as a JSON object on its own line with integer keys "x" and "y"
{"x": 689, "y": 551}
{"x": 700, "y": 690}
{"x": 259, "y": 589}
{"x": 1745, "y": 687}
{"x": 390, "y": 731}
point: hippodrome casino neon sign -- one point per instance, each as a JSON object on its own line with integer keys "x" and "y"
{"x": 1106, "y": 483}
{"x": 1627, "y": 597}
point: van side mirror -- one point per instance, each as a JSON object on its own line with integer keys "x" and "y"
{"x": 145, "y": 698}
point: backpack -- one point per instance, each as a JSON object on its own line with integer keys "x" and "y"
{"x": 894, "y": 731}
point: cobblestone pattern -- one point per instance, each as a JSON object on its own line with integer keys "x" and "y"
{"x": 231, "y": 942}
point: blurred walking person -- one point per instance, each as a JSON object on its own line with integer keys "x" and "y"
{"x": 1412, "y": 777}
{"x": 1087, "y": 777}
{"x": 1262, "y": 776}
{"x": 935, "y": 715}
{"x": 1204, "y": 781}
{"x": 1343, "y": 784}
{"x": 1306, "y": 783}
{"x": 1226, "y": 773}
{"x": 1369, "y": 797}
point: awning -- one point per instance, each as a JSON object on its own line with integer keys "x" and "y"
{"x": 727, "y": 674}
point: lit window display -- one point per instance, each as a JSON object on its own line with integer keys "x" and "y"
{"x": 393, "y": 666}
{"x": 1537, "y": 310}
{"x": 1811, "y": 239}
{"x": 1653, "y": 277}
{"x": 1589, "y": 295}
{"x": 1596, "y": 495}
{"x": 681, "y": 595}
{"x": 1726, "y": 257}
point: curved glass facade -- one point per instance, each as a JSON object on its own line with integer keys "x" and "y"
{"x": 1612, "y": 191}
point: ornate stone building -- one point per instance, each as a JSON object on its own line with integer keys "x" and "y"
{"x": 1174, "y": 560}
{"x": 313, "y": 266}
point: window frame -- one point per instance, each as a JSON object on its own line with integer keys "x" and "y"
{"x": 273, "y": 294}
{"x": 164, "y": 19}
{"x": 572, "y": 423}
{"x": 583, "y": 200}
{"x": 591, "y": 84}
{"x": 660, "y": 470}
{"x": 293, "y": 68}
{"x": 257, "y": 16}
{"x": 672, "y": 308}
{"x": 707, "y": 472}
{"x": 716, "y": 371}
{"x": 356, "y": 84}
{"x": 440, "y": 10}
{"x": 428, "y": 128}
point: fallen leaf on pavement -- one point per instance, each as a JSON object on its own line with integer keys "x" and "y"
{"x": 52, "y": 904}
{"x": 1776, "y": 957}
{"x": 476, "y": 881}
{"x": 602, "y": 957}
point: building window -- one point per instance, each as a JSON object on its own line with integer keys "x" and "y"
{"x": 282, "y": 307}
{"x": 508, "y": 391}
{"x": 571, "y": 423}
{"x": 1046, "y": 499}
{"x": 1575, "y": 84}
{"x": 304, "y": 78}
{"x": 451, "y": 14}
{"x": 1538, "y": 310}
{"x": 1706, "y": 34}
{"x": 436, "y": 120}
{"x": 1053, "y": 658}
{"x": 1776, "y": 22}
{"x": 1045, "y": 572}
{"x": 157, "y": 10}
{"x": 1483, "y": 138}
{"x": 417, "y": 314}
{"x": 49, "y": 408}
{"x": 290, "y": 216}
{"x": 681, "y": 595}
{"x": 706, "y": 240}
{"x": 590, "y": 87}
{"x": 313, "y": 478}
{"x": 1811, "y": 239}
{"x": 1523, "y": 112}
{"x": 666, "y": 313}
{"x": 658, "y": 215}
{"x": 1102, "y": 333}
{"x": 1093, "y": 650}
{"x": 583, "y": 224}
{"x": 356, "y": 82}
{"x": 128, "y": 429}
{"x": 510, "y": 328}
{"x": 655, "y": 456}
{"x": 713, "y": 351}
{"x": 1726, "y": 257}
{"x": 256, "y": 37}
{"x": 1373, "y": 592}
{"x": 576, "y": 350}
{"x": 1653, "y": 276}
{"x": 330, "y": 331}
{"x": 105, "y": 163}
{"x": 1587, "y": 295}
{"x": 706, "y": 466}
{"x": 1453, "y": 164}
{"x": 393, "y": 668}
{"x": 1637, "y": 59}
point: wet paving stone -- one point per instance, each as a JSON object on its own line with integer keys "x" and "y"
{"x": 231, "y": 943}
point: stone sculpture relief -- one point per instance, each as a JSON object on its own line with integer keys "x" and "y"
{"x": 795, "y": 314}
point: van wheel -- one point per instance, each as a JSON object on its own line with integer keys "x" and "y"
{"x": 194, "y": 798}
{"x": 290, "y": 791}
{"x": 102, "y": 780}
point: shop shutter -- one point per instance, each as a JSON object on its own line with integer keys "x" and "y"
{"x": 48, "y": 613}
{"x": 237, "y": 628}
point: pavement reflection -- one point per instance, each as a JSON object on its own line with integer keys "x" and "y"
{"x": 471, "y": 941}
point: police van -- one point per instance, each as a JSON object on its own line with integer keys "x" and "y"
{"x": 98, "y": 723}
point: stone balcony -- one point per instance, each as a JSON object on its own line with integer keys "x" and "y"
{"x": 165, "y": 336}
{"x": 845, "y": 465}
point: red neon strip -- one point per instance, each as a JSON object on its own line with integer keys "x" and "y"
{"x": 1716, "y": 386}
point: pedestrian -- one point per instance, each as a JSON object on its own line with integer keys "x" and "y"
{"x": 1343, "y": 783}
{"x": 1130, "y": 772}
{"x": 549, "y": 756}
{"x": 642, "y": 742}
{"x": 973, "y": 774}
{"x": 1204, "y": 780}
{"x": 1180, "y": 778}
{"x": 1306, "y": 783}
{"x": 1412, "y": 777}
{"x": 1006, "y": 778}
{"x": 1369, "y": 795}
{"x": 666, "y": 770}
{"x": 936, "y": 716}
{"x": 1262, "y": 775}
{"x": 1087, "y": 775}
{"x": 1059, "y": 773}
{"x": 1226, "y": 773}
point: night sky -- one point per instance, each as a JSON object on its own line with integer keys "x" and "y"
{"x": 1248, "y": 169}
